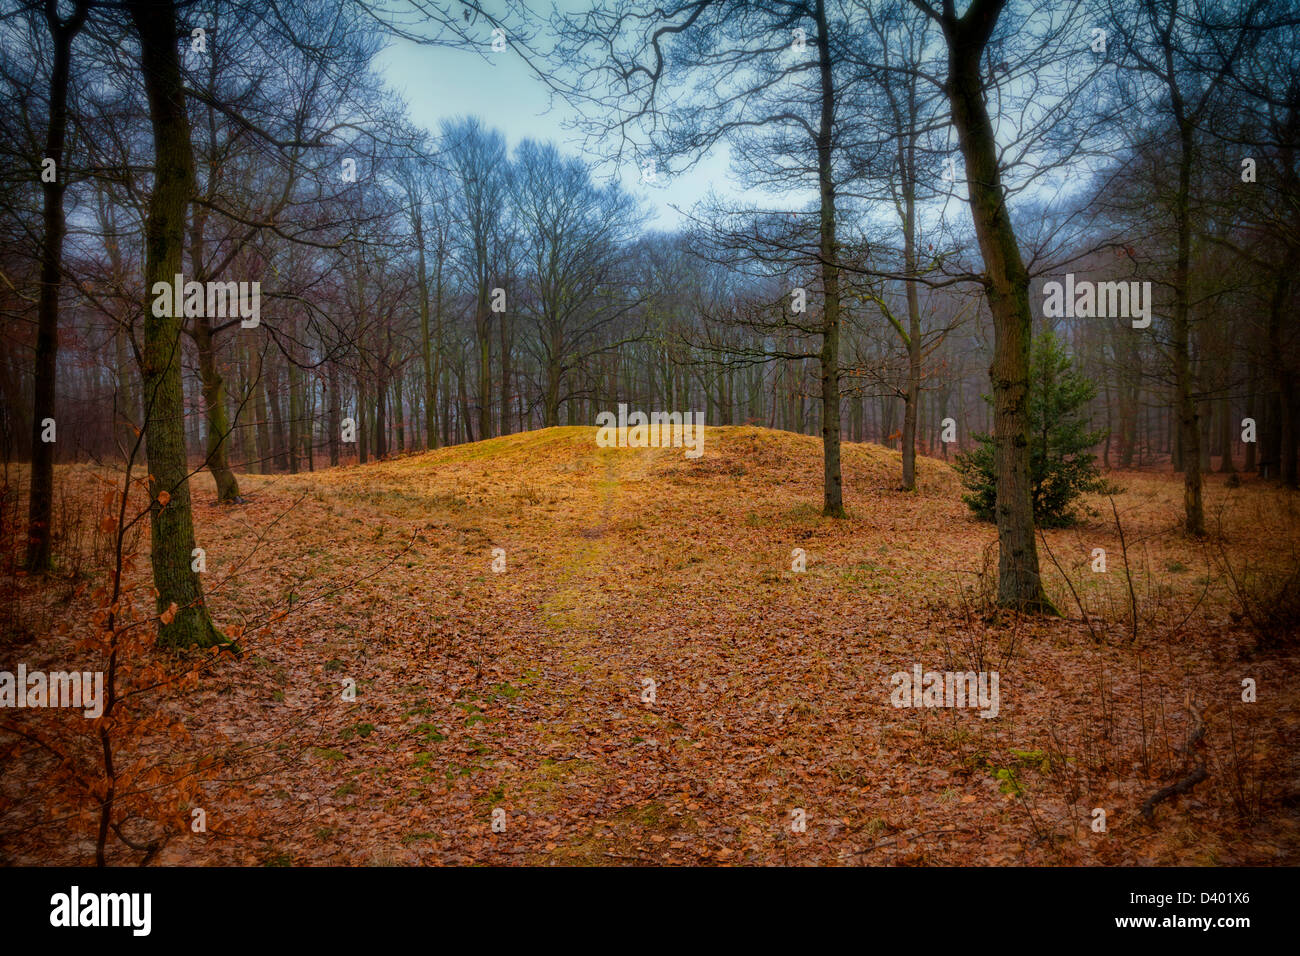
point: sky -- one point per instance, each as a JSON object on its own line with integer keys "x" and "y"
{"x": 441, "y": 83}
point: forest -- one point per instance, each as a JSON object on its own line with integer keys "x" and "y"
{"x": 858, "y": 432}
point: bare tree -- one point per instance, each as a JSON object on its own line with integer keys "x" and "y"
{"x": 54, "y": 181}
{"x": 767, "y": 78}
{"x": 576, "y": 236}
{"x": 477, "y": 158}
{"x": 1186, "y": 48}
{"x": 1006, "y": 285}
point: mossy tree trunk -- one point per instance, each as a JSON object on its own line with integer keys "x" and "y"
{"x": 171, "y": 518}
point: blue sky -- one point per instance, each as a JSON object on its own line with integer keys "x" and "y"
{"x": 441, "y": 82}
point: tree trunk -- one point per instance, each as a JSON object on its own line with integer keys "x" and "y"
{"x": 465, "y": 422}
{"x": 1226, "y": 463}
{"x": 277, "y": 419}
{"x": 171, "y": 523}
{"x": 218, "y": 419}
{"x": 828, "y": 251}
{"x": 127, "y": 401}
{"x": 309, "y": 422}
{"x": 551, "y": 398}
{"x": 1007, "y": 289}
{"x": 1284, "y": 421}
{"x": 399, "y": 413}
{"x": 1249, "y": 465}
{"x": 1129, "y": 394}
{"x": 1189, "y": 434}
{"x": 912, "y": 399}
{"x": 362, "y": 436}
{"x": 41, "y": 501}
{"x": 505, "y": 373}
{"x": 426, "y": 342}
{"x": 1205, "y": 421}
{"x": 262, "y": 411}
{"x": 483, "y": 329}
{"x": 381, "y": 420}
{"x": 1105, "y": 454}
{"x": 295, "y": 414}
{"x": 335, "y": 414}
{"x": 445, "y": 381}
{"x": 907, "y": 164}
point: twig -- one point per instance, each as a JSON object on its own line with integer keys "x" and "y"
{"x": 1184, "y": 785}
{"x": 1068, "y": 583}
{"x": 1128, "y": 575}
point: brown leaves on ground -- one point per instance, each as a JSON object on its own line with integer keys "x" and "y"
{"x": 649, "y": 681}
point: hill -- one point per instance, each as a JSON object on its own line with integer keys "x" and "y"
{"x": 618, "y": 648}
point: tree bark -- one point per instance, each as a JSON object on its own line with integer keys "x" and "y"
{"x": 1007, "y": 290}
{"x": 214, "y": 409}
{"x": 41, "y": 500}
{"x": 828, "y": 252}
{"x": 171, "y": 522}
{"x": 1189, "y": 434}
{"x": 334, "y": 414}
{"x": 426, "y": 343}
{"x": 482, "y": 323}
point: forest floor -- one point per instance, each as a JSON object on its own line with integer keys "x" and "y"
{"x": 527, "y": 690}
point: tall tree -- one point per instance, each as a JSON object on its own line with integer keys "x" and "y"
{"x": 1007, "y": 289}
{"x": 171, "y": 514}
{"x": 767, "y": 78}
{"x": 577, "y": 239}
{"x": 425, "y": 189}
{"x": 907, "y": 117}
{"x": 478, "y": 160}
{"x": 1186, "y": 48}
{"x": 54, "y": 181}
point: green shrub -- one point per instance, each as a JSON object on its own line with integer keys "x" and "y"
{"x": 1061, "y": 464}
